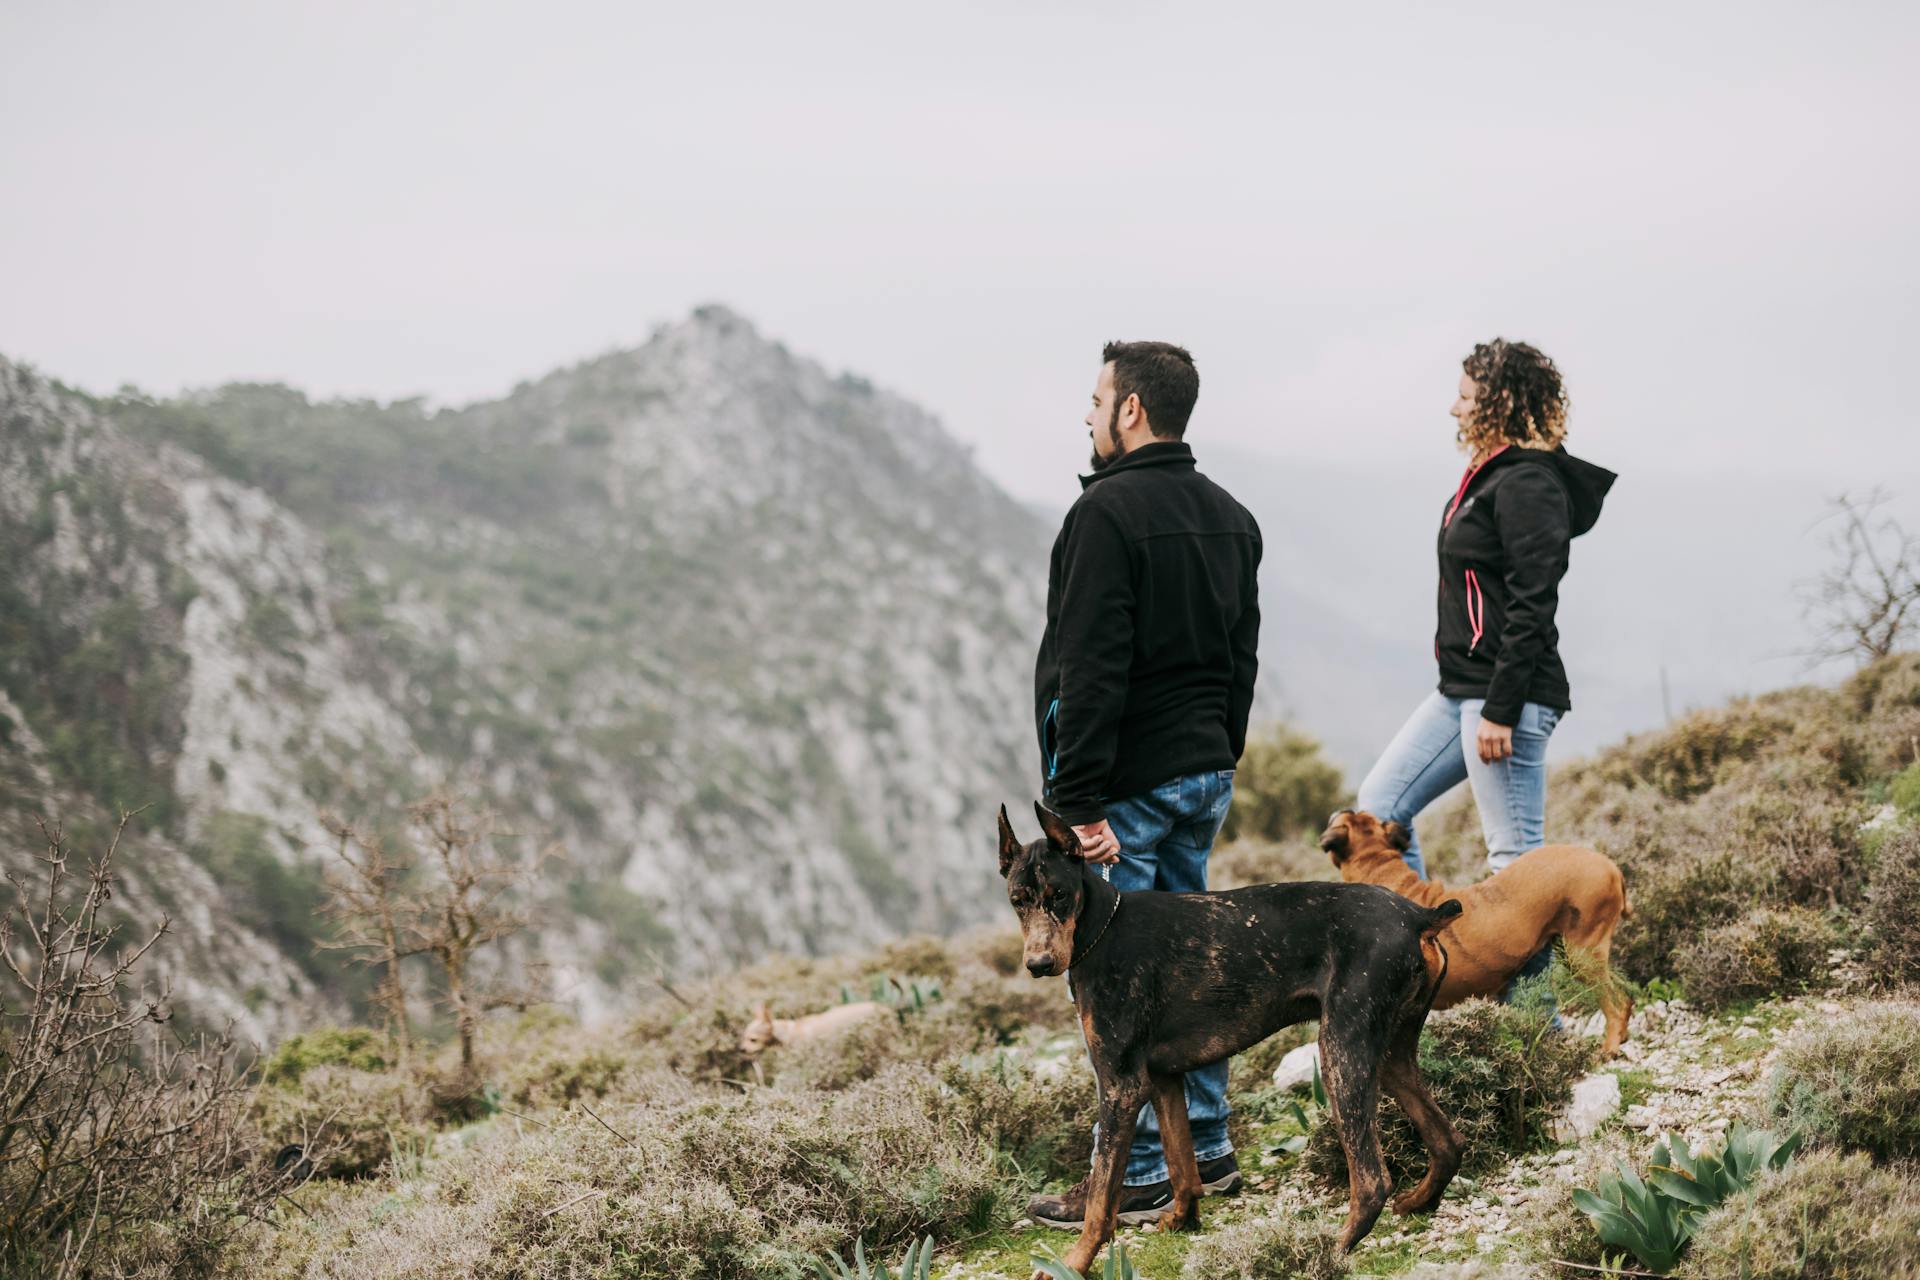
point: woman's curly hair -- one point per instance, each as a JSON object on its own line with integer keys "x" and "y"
{"x": 1521, "y": 400}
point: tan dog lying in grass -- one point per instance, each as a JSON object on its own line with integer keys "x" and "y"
{"x": 1557, "y": 889}
{"x": 765, "y": 1029}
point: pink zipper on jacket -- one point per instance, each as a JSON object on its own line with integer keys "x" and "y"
{"x": 1467, "y": 479}
{"x": 1476, "y": 610}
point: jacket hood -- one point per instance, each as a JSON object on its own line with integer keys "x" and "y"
{"x": 1586, "y": 484}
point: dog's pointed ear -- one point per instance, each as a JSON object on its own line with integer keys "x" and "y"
{"x": 1059, "y": 831}
{"x": 1009, "y": 844}
{"x": 1398, "y": 836}
{"x": 763, "y": 1013}
{"x": 1334, "y": 839}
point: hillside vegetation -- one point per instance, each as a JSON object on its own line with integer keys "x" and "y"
{"x": 704, "y": 611}
{"x": 1770, "y": 849}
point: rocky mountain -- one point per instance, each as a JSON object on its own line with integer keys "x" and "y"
{"x": 750, "y": 639}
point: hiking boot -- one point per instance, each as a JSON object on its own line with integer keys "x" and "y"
{"x": 1220, "y": 1176}
{"x": 1138, "y": 1205}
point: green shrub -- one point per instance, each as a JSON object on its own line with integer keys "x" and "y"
{"x": 1276, "y": 1247}
{"x": 1252, "y": 860}
{"x": 1853, "y": 1081}
{"x": 1893, "y": 907}
{"x": 683, "y": 1182}
{"x": 835, "y": 1061}
{"x": 1283, "y": 787}
{"x": 1042, "y": 1121}
{"x": 355, "y": 1047}
{"x": 1693, "y": 755}
{"x": 1827, "y": 1216}
{"x": 350, "y": 1121}
{"x": 1904, "y": 791}
{"x": 556, "y": 1074}
{"x": 1498, "y": 1071}
{"x": 1766, "y": 952}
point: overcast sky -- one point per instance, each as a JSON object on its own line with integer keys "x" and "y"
{"x": 1706, "y": 213}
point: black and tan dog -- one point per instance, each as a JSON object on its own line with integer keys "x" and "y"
{"x": 1167, "y": 982}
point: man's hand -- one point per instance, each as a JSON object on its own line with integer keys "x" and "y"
{"x": 1098, "y": 843}
{"x": 1496, "y": 741}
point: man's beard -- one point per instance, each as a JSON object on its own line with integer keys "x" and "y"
{"x": 1113, "y": 438}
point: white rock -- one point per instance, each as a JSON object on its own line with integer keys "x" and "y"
{"x": 1296, "y": 1069}
{"x": 1594, "y": 1099}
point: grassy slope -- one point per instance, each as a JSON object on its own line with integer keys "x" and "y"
{"x": 1759, "y": 802}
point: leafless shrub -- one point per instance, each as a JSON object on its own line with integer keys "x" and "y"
{"x": 1867, "y": 602}
{"x": 122, "y": 1146}
{"x": 371, "y": 918}
{"x": 473, "y": 900}
{"x": 470, "y": 895}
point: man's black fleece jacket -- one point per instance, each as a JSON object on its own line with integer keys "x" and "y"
{"x": 1146, "y": 669}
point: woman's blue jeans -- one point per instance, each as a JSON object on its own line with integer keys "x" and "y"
{"x": 1436, "y": 751}
{"x": 1165, "y": 836}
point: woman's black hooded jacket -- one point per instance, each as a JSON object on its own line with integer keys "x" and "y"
{"x": 1503, "y": 550}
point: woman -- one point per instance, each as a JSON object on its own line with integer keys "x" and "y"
{"x": 1503, "y": 550}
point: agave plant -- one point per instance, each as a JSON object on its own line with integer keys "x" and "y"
{"x": 1119, "y": 1266}
{"x": 1651, "y": 1225}
{"x": 1704, "y": 1181}
{"x": 1655, "y": 1218}
{"x": 917, "y": 1265}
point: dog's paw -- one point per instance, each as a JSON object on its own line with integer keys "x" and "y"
{"x": 1175, "y": 1220}
{"x": 1408, "y": 1203}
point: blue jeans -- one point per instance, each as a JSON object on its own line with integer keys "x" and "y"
{"x": 1435, "y": 751}
{"x": 1165, "y": 836}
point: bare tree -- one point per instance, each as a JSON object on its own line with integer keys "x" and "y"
{"x": 470, "y": 902}
{"x": 373, "y": 918}
{"x": 109, "y": 1122}
{"x": 1867, "y": 602}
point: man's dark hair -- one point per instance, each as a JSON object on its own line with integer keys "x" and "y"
{"x": 1164, "y": 378}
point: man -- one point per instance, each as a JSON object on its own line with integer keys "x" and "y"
{"x": 1143, "y": 686}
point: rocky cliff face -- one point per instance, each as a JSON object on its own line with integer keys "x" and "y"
{"x": 751, "y": 640}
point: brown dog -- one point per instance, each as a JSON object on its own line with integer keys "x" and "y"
{"x": 1557, "y": 889}
{"x": 765, "y": 1029}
